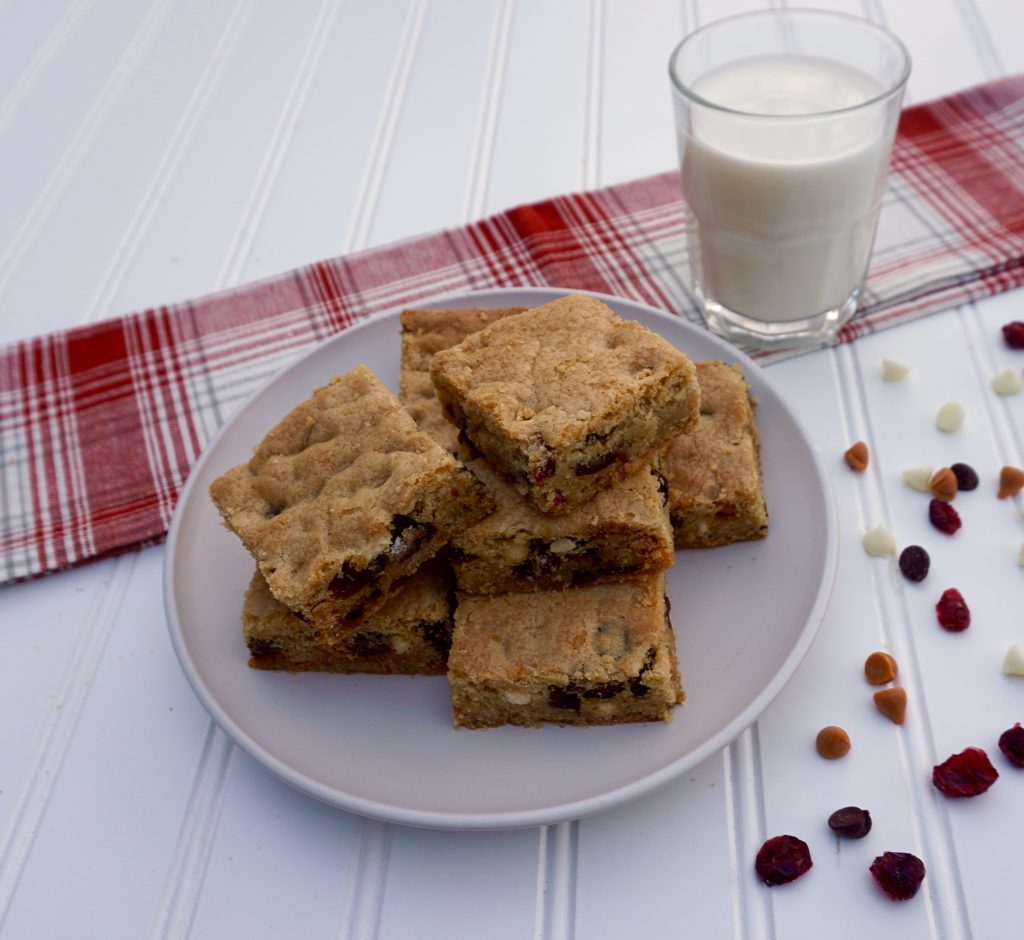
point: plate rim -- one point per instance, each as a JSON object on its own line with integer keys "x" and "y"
{"x": 559, "y": 812}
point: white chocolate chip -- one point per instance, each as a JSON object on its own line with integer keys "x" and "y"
{"x": 1013, "y": 661}
{"x": 893, "y": 371}
{"x": 919, "y": 478}
{"x": 518, "y": 698}
{"x": 400, "y": 645}
{"x": 879, "y": 541}
{"x": 561, "y": 546}
{"x": 1007, "y": 382}
{"x": 1020, "y": 555}
{"x": 950, "y": 417}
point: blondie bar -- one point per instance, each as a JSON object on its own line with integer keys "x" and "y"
{"x": 624, "y": 529}
{"x": 715, "y": 495}
{"x": 411, "y": 634}
{"x": 566, "y": 399}
{"x": 424, "y": 333}
{"x": 344, "y": 498}
{"x": 603, "y": 654}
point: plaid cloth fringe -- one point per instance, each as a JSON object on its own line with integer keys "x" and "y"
{"x": 100, "y": 425}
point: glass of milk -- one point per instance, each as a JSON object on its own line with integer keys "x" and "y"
{"x": 785, "y": 121}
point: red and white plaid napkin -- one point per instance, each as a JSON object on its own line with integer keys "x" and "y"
{"x": 100, "y": 425}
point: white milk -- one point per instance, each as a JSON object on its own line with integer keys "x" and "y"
{"x": 786, "y": 207}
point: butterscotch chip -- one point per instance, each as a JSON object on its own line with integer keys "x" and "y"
{"x": 880, "y": 668}
{"x": 893, "y": 704}
{"x": 856, "y": 457}
{"x": 943, "y": 484}
{"x": 832, "y": 742}
{"x": 1011, "y": 480}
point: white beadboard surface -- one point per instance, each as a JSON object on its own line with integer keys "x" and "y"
{"x": 154, "y": 151}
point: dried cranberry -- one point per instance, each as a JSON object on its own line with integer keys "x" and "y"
{"x": 1013, "y": 333}
{"x": 1011, "y": 743}
{"x": 968, "y": 773}
{"x": 543, "y": 471}
{"x": 943, "y": 516}
{"x": 914, "y": 563}
{"x": 966, "y": 477}
{"x": 899, "y": 874}
{"x": 850, "y": 821}
{"x": 782, "y": 859}
{"x": 952, "y": 611}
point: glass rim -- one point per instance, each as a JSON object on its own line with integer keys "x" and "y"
{"x": 894, "y": 87}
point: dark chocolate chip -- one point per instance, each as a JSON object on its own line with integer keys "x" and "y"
{"x": 662, "y": 485}
{"x": 599, "y": 463}
{"x": 636, "y": 686}
{"x": 559, "y": 697}
{"x": 438, "y": 633}
{"x": 351, "y": 580}
{"x": 263, "y": 649}
{"x": 604, "y": 690}
{"x": 369, "y": 643}
{"x": 407, "y": 537}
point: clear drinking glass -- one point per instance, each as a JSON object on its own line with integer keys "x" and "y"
{"x": 785, "y": 121}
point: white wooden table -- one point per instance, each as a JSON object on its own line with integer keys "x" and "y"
{"x": 151, "y": 152}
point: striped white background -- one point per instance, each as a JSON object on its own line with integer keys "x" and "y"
{"x": 151, "y": 152}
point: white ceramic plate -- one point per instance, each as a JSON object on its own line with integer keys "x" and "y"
{"x": 384, "y": 746}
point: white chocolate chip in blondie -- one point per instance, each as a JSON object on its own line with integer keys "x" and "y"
{"x": 518, "y": 698}
{"x": 561, "y": 546}
{"x": 950, "y": 417}
{"x": 1013, "y": 661}
{"x": 894, "y": 371}
{"x": 919, "y": 478}
{"x": 879, "y": 541}
{"x": 1007, "y": 382}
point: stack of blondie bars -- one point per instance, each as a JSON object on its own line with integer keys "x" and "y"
{"x": 508, "y": 522}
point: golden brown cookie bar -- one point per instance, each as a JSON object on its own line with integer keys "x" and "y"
{"x": 715, "y": 495}
{"x": 567, "y": 398}
{"x": 623, "y": 530}
{"x": 344, "y": 498}
{"x": 603, "y": 654}
{"x": 410, "y": 635}
{"x": 424, "y": 333}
